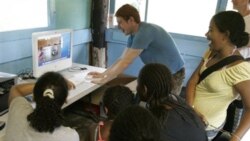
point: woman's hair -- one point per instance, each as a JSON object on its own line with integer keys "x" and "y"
{"x": 50, "y": 93}
{"x": 154, "y": 83}
{"x": 127, "y": 11}
{"x": 117, "y": 98}
{"x": 135, "y": 123}
{"x": 233, "y": 23}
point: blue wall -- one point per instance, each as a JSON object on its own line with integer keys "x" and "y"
{"x": 73, "y": 14}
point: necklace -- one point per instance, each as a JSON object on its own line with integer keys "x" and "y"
{"x": 215, "y": 54}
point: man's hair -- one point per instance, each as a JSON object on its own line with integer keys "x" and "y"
{"x": 127, "y": 11}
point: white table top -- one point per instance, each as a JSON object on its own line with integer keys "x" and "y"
{"x": 80, "y": 91}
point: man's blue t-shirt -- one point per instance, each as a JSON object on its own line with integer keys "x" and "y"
{"x": 158, "y": 46}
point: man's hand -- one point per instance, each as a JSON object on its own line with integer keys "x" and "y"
{"x": 95, "y": 74}
{"x": 99, "y": 78}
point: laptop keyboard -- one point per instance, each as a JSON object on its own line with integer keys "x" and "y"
{"x": 78, "y": 79}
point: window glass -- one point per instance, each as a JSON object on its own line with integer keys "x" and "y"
{"x": 229, "y": 5}
{"x": 181, "y": 16}
{"x": 23, "y": 14}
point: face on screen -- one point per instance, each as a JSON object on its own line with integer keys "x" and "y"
{"x": 53, "y": 48}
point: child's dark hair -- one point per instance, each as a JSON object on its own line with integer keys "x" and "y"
{"x": 155, "y": 86}
{"x": 135, "y": 123}
{"x": 50, "y": 93}
{"x": 117, "y": 98}
{"x": 157, "y": 79}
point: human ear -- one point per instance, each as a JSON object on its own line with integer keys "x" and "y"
{"x": 144, "y": 92}
{"x": 226, "y": 35}
{"x": 106, "y": 110}
{"x": 145, "y": 89}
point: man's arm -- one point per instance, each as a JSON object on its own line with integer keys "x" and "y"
{"x": 118, "y": 67}
{"x": 20, "y": 90}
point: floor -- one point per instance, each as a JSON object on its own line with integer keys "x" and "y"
{"x": 80, "y": 119}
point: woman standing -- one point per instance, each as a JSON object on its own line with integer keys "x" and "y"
{"x": 211, "y": 96}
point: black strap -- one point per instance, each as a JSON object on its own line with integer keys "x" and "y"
{"x": 247, "y": 59}
{"x": 219, "y": 65}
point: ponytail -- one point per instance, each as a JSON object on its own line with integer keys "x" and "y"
{"x": 47, "y": 116}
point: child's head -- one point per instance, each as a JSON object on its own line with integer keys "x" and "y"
{"x": 51, "y": 81}
{"x": 135, "y": 123}
{"x": 117, "y": 98}
{"x": 154, "y": 83}
{"x": 50, "y": 93}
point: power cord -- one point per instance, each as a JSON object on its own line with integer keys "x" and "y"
{"x": 26, "y": 74}
{"x": 76, "y": 68}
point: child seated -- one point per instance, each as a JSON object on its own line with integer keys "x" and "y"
{"x": 135, "y": 123}
{"x": 115, "y": 99}
{"x": 45, "y": 121}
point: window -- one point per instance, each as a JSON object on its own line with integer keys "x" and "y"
{"x": 27, "y": 13}
{"x": 229, "y": 6}
{"x": 176, "y": 16}
{"x": 181, "y": 16}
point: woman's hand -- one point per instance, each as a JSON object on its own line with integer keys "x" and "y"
{"x": 234, "y": 137}
{"x": 70, "y": 84}
{"x": 203, "y": 118}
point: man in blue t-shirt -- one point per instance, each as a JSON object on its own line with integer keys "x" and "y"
{"x": 151, "y": 42}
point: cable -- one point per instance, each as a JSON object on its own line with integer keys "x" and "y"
{"x": 76, "y": 68}
{"x": 26, "y": 74}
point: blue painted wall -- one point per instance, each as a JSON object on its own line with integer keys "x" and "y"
{"x": 73, "y": 14}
